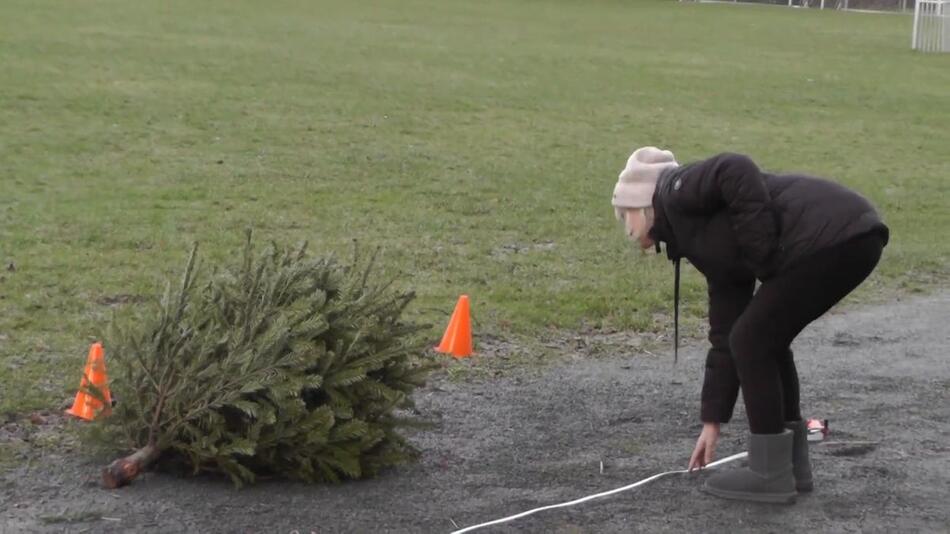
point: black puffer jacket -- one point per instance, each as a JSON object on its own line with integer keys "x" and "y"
{"x": 735, "y": 223}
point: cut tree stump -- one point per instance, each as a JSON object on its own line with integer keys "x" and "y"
{"x": 125, "y": 470}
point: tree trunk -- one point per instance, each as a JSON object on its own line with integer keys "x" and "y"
{"x": 124, "y": 470}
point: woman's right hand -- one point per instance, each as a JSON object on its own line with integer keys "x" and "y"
{"x": 705, "y": 449}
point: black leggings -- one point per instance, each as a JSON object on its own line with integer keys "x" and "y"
{"x": 781, "y": 308}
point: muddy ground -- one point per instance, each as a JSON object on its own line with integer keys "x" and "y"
{"x": 881, "y": 374}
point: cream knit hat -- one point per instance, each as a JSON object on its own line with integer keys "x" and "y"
{"x": 637, "y": 181}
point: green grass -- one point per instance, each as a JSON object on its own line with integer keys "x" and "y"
{"x": 477, "y": 142}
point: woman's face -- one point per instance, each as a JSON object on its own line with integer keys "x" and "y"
{"x": 637, "y": 223}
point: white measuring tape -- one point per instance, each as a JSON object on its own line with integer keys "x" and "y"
{"x": 598, "y": 495}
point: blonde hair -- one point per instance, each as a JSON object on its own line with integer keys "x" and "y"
{"x": 634, "y": 232}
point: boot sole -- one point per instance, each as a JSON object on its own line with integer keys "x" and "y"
{"x": 775, "y": 498}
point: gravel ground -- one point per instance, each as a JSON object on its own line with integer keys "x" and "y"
{"x": 534, "y": 437}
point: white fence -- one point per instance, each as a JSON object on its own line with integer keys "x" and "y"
{"x": 849, "y": 5}
{"x": 931, "y": 26}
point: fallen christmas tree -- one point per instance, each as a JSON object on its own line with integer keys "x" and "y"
{"x": 286, "y": 365}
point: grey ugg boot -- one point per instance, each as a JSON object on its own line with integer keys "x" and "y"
{"x": 768, "y": 478}
{"x": 801, "y": 465}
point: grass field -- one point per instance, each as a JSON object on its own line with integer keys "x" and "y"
{"x": 477, "y": 142}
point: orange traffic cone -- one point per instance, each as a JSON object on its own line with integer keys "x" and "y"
{"x": 457, "y": 340}
{"x": 87, "y": 406}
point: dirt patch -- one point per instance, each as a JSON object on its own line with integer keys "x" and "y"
{"x": 522, "y": 248}
{"x": 583, "y": 425}
{"x": 120, "y": 299}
